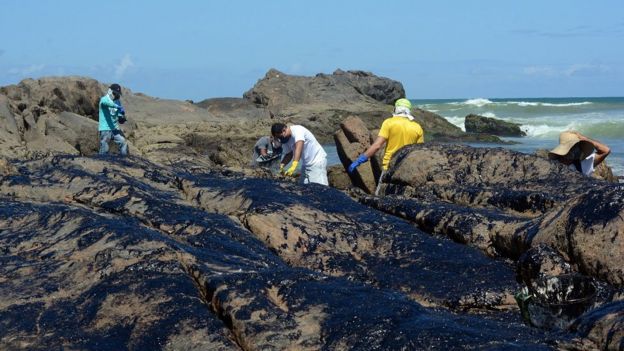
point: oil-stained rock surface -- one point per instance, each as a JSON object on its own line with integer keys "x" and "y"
{"x": 511, "y": 204}
{"x": 106, "y": 253}
{"x": 504, "y": 201}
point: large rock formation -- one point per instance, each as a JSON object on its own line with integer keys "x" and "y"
{"x": 480, "y": 124}
{"x": 320, "y": 103}
{"x": 504, "y": 202}
{"x": 126, "y": 254}
{"x": 507, "y": 204}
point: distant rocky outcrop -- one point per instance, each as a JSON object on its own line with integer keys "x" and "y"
{"x": 487, "y": 125}
{"x": 278, "y": 90}
{"x": 437, "y": 128}
{"x": 235, "y": 108}
{"x": 321, "y": 102}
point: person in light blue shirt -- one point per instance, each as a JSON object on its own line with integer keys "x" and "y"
{"x": 112, "y": 114}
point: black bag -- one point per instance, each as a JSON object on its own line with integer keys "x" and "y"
{"x": 121, "y": 119}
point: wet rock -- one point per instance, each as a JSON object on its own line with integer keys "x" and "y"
{"x": 602, "y": 171}
{"x": 495, "y": 178}
{"x": 555, "y": 301}
{"x": 126, "y": 254}
{"x": 80, "y": 280}
{"x": 588, "y": 231}
{"x": 515, "y": 201}
{"x": 480, "y": 124}
{"x": 338, "y": 177}
{"x": 437, "y": 128}
{"x": 539, "y": 262}
{"x": 604, "y": 326}
{"x": 329, "y": 237}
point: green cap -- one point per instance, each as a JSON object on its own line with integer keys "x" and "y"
{"x": 403, "y": 103}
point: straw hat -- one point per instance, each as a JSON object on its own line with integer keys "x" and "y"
{"x": 567, "y": 140}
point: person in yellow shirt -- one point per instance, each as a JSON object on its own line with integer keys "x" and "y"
{"x": 396, "y": 132}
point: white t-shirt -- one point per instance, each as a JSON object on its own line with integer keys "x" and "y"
{"x": 587, "y": 165}
{"x": 312, "y": 152}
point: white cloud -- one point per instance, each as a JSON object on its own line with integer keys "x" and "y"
{"x": 539, "y": 71}
{"x": 566, "y": 71}
{"x": 122, "y": 67}
{"x": 25, "y": 71}
{"x": 578, "y": 69}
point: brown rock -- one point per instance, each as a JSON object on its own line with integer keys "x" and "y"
{"x": 338, "y": 177}
{"x": 352, "y": 140}
{"x": 6, "y": 168}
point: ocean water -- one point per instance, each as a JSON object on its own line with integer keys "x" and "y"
{"x": 542, "y": 119}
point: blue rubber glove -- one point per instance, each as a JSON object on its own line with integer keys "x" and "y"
{"x": 121, "y": 110}
{"x": 361, "y": 159}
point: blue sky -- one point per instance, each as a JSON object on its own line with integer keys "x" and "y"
{"x": 437, "y": 49}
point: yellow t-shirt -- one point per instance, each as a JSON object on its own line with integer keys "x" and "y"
{"x": 398, "y": 132}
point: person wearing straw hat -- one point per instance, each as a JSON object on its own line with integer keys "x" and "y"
{"x": 579, "y": 152}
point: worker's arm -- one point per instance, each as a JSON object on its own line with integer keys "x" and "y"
{"x": 378, "y": 144}
{"x": 286, "y": 159}
{"x": 602, "y": 150}
{"x": 296, "y": 158}
{"x": 298, "y": 150}
{"x": 372, "y": 150}
{"x": 108, "y": 102}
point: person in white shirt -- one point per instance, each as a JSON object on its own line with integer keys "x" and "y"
{"x": 300, "y": 146}
{"x": 579, "y": 152}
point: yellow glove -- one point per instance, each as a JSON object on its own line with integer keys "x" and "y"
{"x": 292, "y": 168}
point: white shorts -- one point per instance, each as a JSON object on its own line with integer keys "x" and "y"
{"x": 315, "y": 173}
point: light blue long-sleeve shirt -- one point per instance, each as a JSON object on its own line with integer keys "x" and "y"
{"x": 109, "y": 114}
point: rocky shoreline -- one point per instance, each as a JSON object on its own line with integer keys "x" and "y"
{"x": 182, "y": 246}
